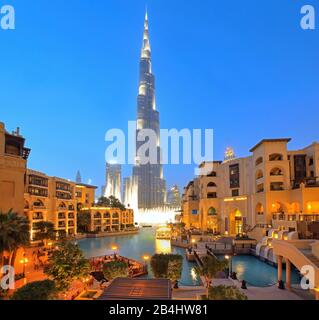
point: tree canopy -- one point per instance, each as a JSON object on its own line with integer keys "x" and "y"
{"x": 14, "y": 233}
{"x": 169, "y": 266}
{"x": 110, "y": 202}
{"x": 67, "y": 264}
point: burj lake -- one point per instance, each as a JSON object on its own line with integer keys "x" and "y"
{"x": 158, "y": 151}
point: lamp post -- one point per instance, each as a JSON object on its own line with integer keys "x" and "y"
{"x": 24, "y": 261}
{"x": 115, "y": 248}
{"x": 230, "y": 262}
{"x": 146, "y": 258}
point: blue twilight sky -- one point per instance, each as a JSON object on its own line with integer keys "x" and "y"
{"x": 69, "y": 72}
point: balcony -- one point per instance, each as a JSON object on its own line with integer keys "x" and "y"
{"x": 98, "y": 222}
{"x": 71, "y": 215}
{"x": 277, "y": 186}
{"x": 61, "y": 225}
{"x": 61, "y": 216}
{"x": 37, "y": 216}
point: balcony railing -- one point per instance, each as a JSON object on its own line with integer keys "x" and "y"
{"x": 296, "y": 217}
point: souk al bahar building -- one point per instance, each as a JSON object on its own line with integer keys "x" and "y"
{"x": 273, "y": 186}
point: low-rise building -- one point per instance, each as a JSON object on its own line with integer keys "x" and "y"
{"x": 109, "y": 219}
{"x": 247, "y": 194}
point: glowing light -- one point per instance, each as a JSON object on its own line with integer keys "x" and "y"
{"x": 163, "y": 246}
{"x": 235, "y": 199}
{"x": 146, "y": 257}
{"x": 227, "y": 257}
{"x": 114, "y": 248}
{"x": 193, "y": 274}
{"x": 229, "y": 154}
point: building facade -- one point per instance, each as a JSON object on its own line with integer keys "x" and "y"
{"x": 13, "y": 164}
{"x": 248, "y": 194}
{"x": 110, "y": 219}
{"x": 55, "y": 200}
{"x": 150, "y": 181}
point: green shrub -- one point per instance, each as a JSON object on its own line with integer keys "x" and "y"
{"x": 39, "y": 290}
{"x": 115, "y": 269}
{"x": 225, "y": 293}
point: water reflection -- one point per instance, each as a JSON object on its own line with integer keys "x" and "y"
{"x": 194, "y": 275}
{"x": 163, "y": 246}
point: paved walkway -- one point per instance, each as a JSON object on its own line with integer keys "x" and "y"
{"x": 252, "y": 293}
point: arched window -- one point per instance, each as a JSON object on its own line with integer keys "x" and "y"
{"x": 71, "y": 207}
{"x": 115, "y": 215}
{"x": 38, "y": 203}
{"x": 97, "y": 215}
{"x": 276, "y": 172}
{"x": 276, "y": 157}
{"x": 259, "y": 174}
{"x": 107, "y": 215}
{"x": 211, "y": 185}
{"x": 212, "y": 211}
{"x": 259, "y": 161}
{"x": 62, "y": 205}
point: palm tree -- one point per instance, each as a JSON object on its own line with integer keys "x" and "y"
{"x": 14, "y": 233}
{"x": 44, "y": 230}
{"x": 209, "y": 269}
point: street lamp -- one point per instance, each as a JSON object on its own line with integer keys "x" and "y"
{"x": 24, "y": 261}
{"x": 115, "y": 248}
{"x": 230, "y": 267}
{"x": 146, "y": 258}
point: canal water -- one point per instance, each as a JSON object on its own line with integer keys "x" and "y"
{"x": 255, "y": 272}
{"x": 136, "y": 246}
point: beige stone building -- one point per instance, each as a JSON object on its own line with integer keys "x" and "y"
{"x": 13, "y": 163}
{"x": 110, "y": 219}
{"x": 55, "y": 200}
{"x": 44, "y": 198}
{"x": 248, "y": 194}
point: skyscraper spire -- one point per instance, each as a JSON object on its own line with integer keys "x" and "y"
{"x": 146, "y": 48}
{"x": 78, "y": 178}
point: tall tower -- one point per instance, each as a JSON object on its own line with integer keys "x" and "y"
{"x": 113, "y": 180}
{"x": 78, "y": 178}
{"x": 150, "y": 181}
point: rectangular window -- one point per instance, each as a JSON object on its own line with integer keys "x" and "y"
{"x": 235, "y": 193}
{"x": 234, "y": 176}
{"x": 300, "y": 167}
